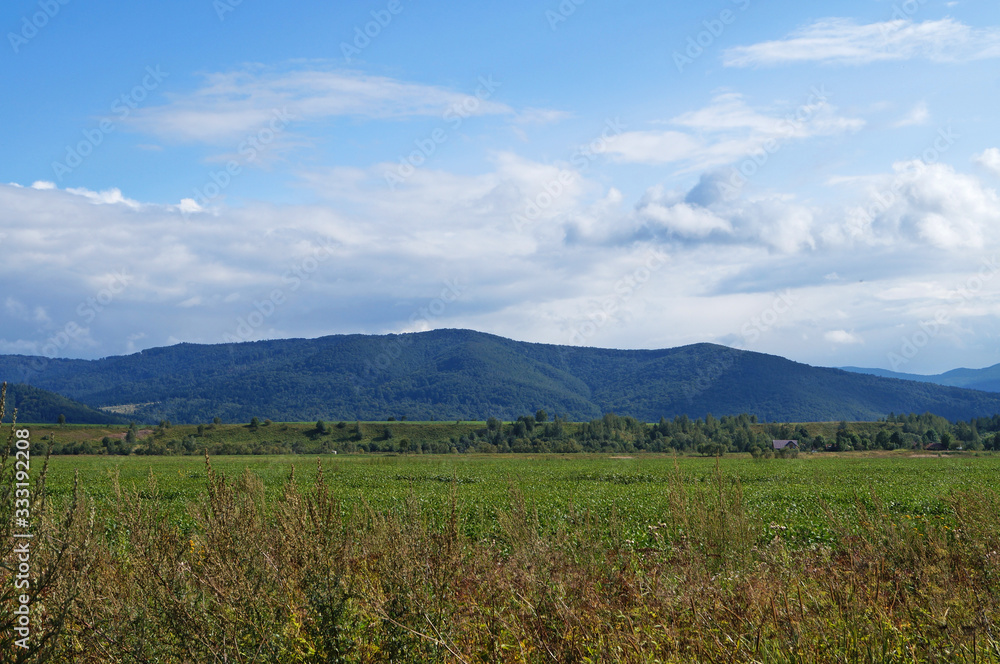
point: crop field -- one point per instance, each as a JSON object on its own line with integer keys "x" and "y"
{"x": 854, "y": 557}
{"x": 789, "y": 498}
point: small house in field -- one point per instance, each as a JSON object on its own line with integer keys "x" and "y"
{"x": 785, "y": 444}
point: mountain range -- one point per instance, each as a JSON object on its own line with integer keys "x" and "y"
{"x": 987, "y": 380}
{"x": 468, "y": 375}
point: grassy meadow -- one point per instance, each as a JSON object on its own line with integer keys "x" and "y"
{"x": 854, "y": 557}
{"x": 629, "y": 492}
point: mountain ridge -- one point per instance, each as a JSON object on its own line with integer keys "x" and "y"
{"x": 986, "y": 379}
{"x": 463, "y": 374}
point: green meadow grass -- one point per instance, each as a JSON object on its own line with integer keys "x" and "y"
{"x": 791, "y": 497}
{"x": 857, "y": 557}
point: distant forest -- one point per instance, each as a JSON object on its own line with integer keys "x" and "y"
{"x": 538, "y": 434}
{"x": 446, "y": 375}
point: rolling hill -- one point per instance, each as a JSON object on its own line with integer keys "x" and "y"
{"x": 462, "y": 374}
{"x": 987, "y": 380}
{"x": 37, "y": 406}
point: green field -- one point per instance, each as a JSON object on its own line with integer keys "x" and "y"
{"x": 827, "y": 557}
{"x": 793, "y": 493}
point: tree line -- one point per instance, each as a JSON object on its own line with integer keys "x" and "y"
{"x": 539, "y": 434}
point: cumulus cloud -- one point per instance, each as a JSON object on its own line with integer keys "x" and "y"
{"x": 845, "y": 41}
{"x": 916, "y": 205}
{"x": 990, "y": 160}
{"x": 684, "y": 220}
{"x": 369, "y": 269}
{"x": 705, "y": 214}
{"x": 590, "y": 267}
{"x": 923, "y": 203}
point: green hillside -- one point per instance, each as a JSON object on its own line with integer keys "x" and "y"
{"x": 43, "y": 407}
{"x": 460, "y": 374}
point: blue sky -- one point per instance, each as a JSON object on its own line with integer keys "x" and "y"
{"x": 814, "y": 181}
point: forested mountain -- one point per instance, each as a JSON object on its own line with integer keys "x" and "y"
{"x": 43, "y": 407}
{"x": 987, "y": 380}
{"x": 461, "y": 374}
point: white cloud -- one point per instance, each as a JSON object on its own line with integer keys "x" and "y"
{"x": 435, "y": 202}
{"x": 730, "y": 112}
{"x": 540, "y": 116}
{"x": 231, "y": 105}
{"x": 654, "y": 147}
{"x": 107, "y": 197}
{"x": 844, "y": 41}
{"x": 684, "y": 220}
{"x": 777, "y": 223}
{"x": 918, "y": 115}
{"x": 729, "y": 130}
{"x": 189, "y": 205}
{"x": 990, "y": 160}
{"x": 585, "y": 255}
{"x": 842, "y": 337}
{"x": 130, "y": 344}
{"x": 17, "y": 309}
{"x": 923, "y": 203}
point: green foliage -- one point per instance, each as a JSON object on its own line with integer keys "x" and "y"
{"x": 464, "y": 375}
{"x": 611, "y": 433}
{"x": 39, "y": 406}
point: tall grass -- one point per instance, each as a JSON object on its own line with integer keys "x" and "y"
{"x": 59, "y": 560}
{"x": 305, "y": 578}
